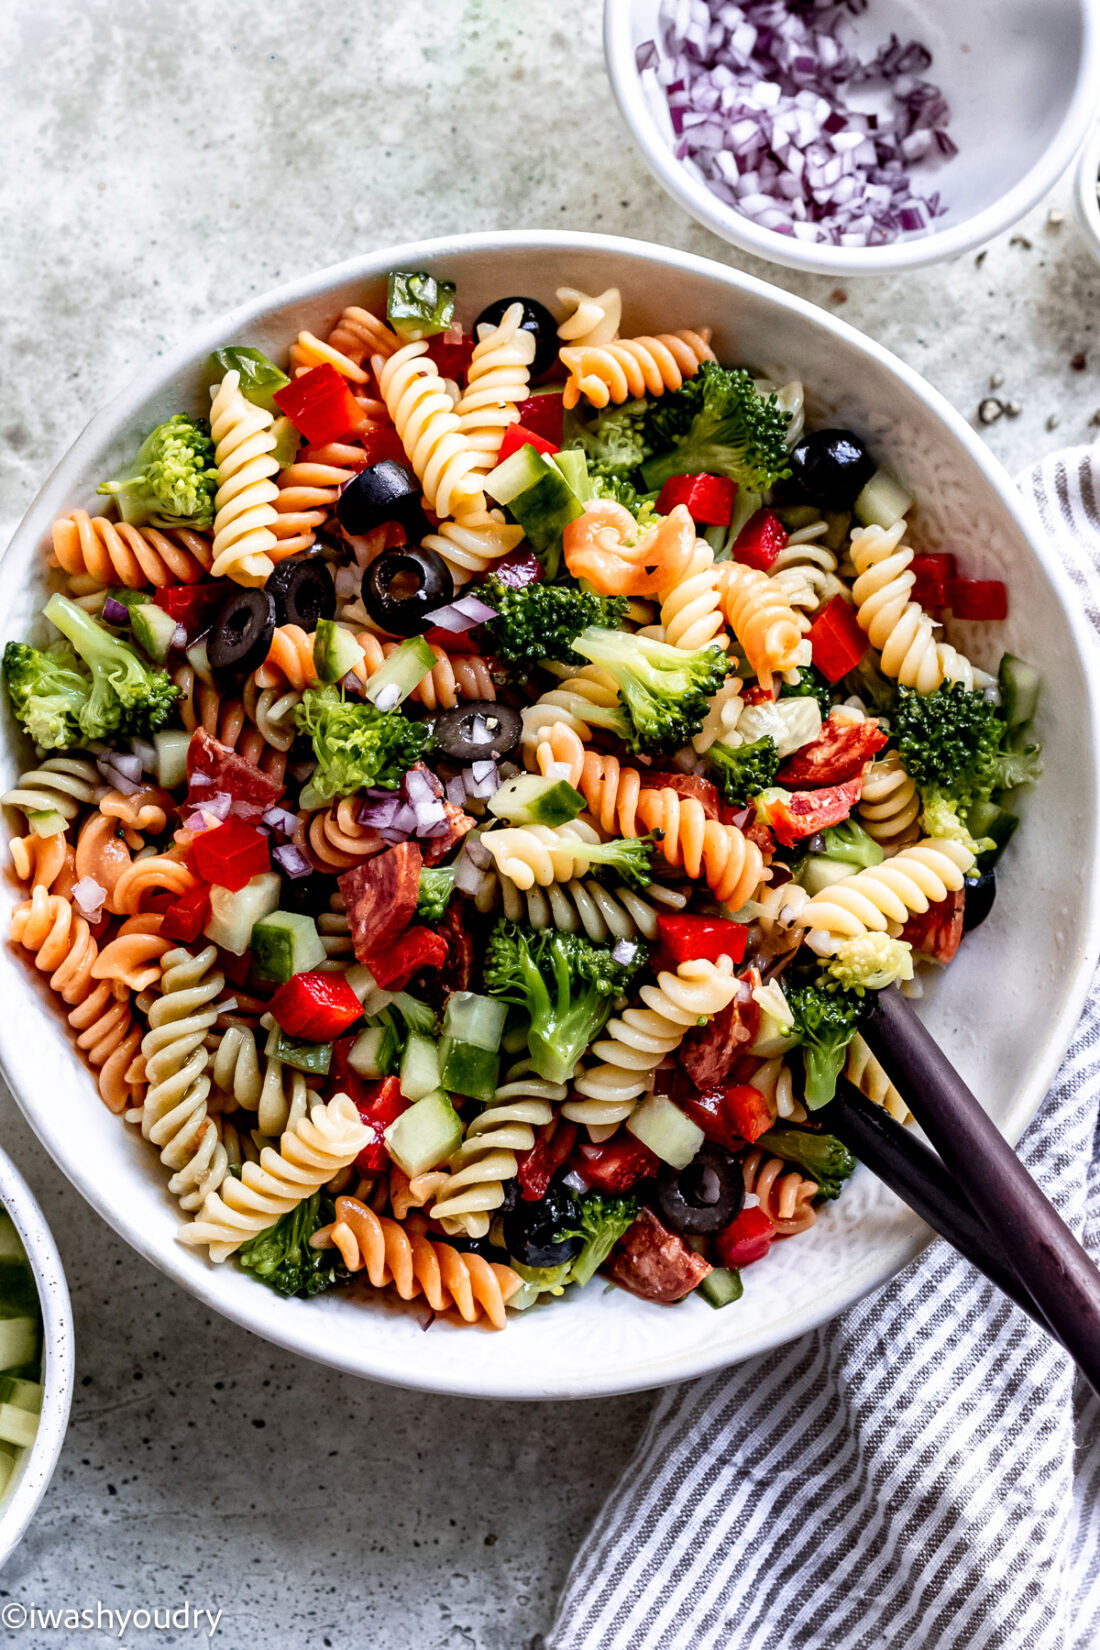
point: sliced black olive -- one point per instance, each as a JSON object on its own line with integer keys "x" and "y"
{"x": 477, "y": 1246}
{"x": 832, "y": 467}
{"x": 705, "y": 1196}
{"x": 307, "y": 896}
{"x": 980, "y": 895}
{"x": 303, "y": 593}
{"x": 545, "y": 1233}
{"x": 479, "y": 730}
{"x": 402, "y": 587}
{"x": 380, "y": 493}
{"x": 537, "y": 319}
{"x": 241, "y": 634}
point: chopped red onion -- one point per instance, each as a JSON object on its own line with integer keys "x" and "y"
{"x": 179, "y": 637}
{"x": 145, "y": 753}
{"x": 291, "y": 860}
{"x": 421, "y": 786}
{"x": 388, "y": 698}
{"x": 127, "y": 764}
{"x": 348, "y": 583}
{"x": 380, "y": 811}
{"x": 575, "y": 1181}
{"x": 468, "y": 878}
{"x": 518, "y": 568}
{"x": 88, "y": 897}
{"x": 758, "y": 100}
{"x": 353, "y": 684}
{"x": 456, "y": 791}
{"x": 198, "y": 780}
{"x": 220, "y": 804}
{"x": 281, "y": 820}
{"x": 624, "y": 951}
{"x": 463, "y": 614}
{"x": 474, "y": 850}
{"x": 115, "y": 612}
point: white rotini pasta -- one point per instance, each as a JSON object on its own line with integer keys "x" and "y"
{"x": 496, "y": 382}
{"x": 310, "y": 1153}
{"x": 874, "y": 899}
{"x": 486, "y": 1158}
{"x": 590, "y": 320}
{"x": 862, "y": 1069}
{"x": 691, "y": 610}
{"x": 639, "y": 1039}
{"x": 54, "y": 793}
{"x": 889, "y": 804}
{"x": 445, "y": 461}
{"x": 585, "y": 907}
{"x": 244, "y": 522}
{"x": 897, "y": 626}
{"x": 471, "y": 544}
{"x": 529, "y": 854}
{"x": 586, "y": 699}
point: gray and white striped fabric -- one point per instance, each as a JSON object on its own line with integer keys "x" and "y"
{"x": 831, "y": 1496}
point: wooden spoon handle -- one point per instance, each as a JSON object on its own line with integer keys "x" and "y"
{"x": 1046, "y": 1257}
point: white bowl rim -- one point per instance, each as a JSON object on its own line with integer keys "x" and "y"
{"x": 19, "y": 1505}
{"x": 290, "y": 1331}
{"x": 1088, "y": 202}
{"x": 818, "y": 259}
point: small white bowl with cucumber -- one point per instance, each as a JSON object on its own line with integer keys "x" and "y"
{"x": 36, "y": 1356}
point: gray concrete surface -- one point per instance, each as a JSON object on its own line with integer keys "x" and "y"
{"x": 161, "y": 162}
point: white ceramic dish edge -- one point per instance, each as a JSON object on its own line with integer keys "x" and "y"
{"x": 731, "y": 226}
{"x": 294, "y": 1333}
{"x": 18, "y": 1507}
{"x": 1085, "y": 191}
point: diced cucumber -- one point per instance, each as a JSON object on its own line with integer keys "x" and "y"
{"x": 285, "y": 943}
{"x": 537, "y": 494}
{"x": 314, "y": 1058}
{"x": 153, "y": 630}
{"x": 987, "y": 819}
{"x": 795, "y": 516}
{"x": 840, "y": 525}
{"x": 745, "y": 506}
{"x": 11, "y": 1245}
{"x": 287, "y": 441}
{"x": 545, "y": 1279}
{"x": 470, "y": 1018}
{"x": 425, "y": 1135}
{"x": 335, "y": 651}
{"x": 573, "y": 465}
{"x": 531, "y": 799}
{"x": 404, "y": 670}
{"x": 23, "y": 1394}
{"x": 234, "y": 914}
{"x": 17, "y": 1426}
{"x": 666, "y": 1130}
{"x": 9, "y": 1460}
{"x": 46, "y": 821}
{"x": 820, "y": 872}
{"x": 883, "y": 501}
{"x": 199, "y": 661}
{"x": 1020, "y": 685}
{"x": 419, "y": 1067}
{"x": 466, "y": 1069}
{"x": 717, "y": 537}
{"x": 374, "y": 1052}
{"x": 721, "y": 1287}
{"x": 773, "y": 1037}
{"x": 171, "y": 746}
{"x": 18, "y": 1342}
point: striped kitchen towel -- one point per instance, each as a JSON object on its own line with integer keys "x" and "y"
{"x": 920, "y": 1474}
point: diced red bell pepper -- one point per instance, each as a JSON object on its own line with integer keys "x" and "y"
{"x": 381, "y": 1105}
{"x": 381, "y": 442}
{"x": 453, "y": 641}
{"x": 699, "y": 939}
{"x": 802, "y": 813}
{"x": 538, "y": 1168}
{"x": 317, "y": 1007}
{"x": 230, "y": 855}
{"x": 615, "y": 1165}
{"x": 837, "y": 754}
{"x": 320, "y": 405}
{"x": 451, "y": 352}
{"x": 709, "y": 499}
{"x": 748, "y": 1110}
{"x": 760, "y": 540}
{"x": 938, "y": 931}
{"x": 194, "y": 606}
{"x": 933, "y": 574}
{"x": 756, "y": 695}
{"x": 745, "y": 1239}
{"x": 730, "y": 1114}
{"x": 394, "y": 965}
{"x": 543, "y": 414}
{"x": 978, "y": 599}
{"x": 517, "y": 436}
{"x": 837, "y": 641}
{"x": 234, "y": 967}
{"x": 188, "y": 914}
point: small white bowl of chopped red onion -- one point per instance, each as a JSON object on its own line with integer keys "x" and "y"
{"x": 855, "y": 137}
{"x": 1088, "y": 191}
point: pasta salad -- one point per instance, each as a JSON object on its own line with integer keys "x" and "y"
{"x": 477, "y": 776}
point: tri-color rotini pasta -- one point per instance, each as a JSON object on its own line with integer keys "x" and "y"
{"x": 475, "y": 770}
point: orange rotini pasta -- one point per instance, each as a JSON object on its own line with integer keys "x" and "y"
{"x": 633, "y": 367}
{"x": 114, "y": 552}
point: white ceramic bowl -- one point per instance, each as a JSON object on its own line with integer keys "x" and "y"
{"x": 1005, "y": 1012}
{"x": 1020, "y": 76}
{"x": 18, "y": 1505}
{"x": 1088, "y": 205}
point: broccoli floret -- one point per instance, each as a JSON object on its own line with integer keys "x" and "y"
{"x": 540, "y": 621}
{"x": 437, "y": 884}
{"x": 283, "y": 1258}
{"x": 940, "y": 818}
{"x": 604, "y": 1218}
{"x": 949, "y": 740}
{"x": 126, "y": 696}
{"x": 565, "y": 984}
{"x": 720, "y": 424}
{"x": 357, "y": 746}
{"x": 870, "y": 962}
{"x": 608, "y": 483}
{"x": 823, "y": 1156}
{"x": 613, "y": 438}
{"x": 48, "y": 692}
{"x": 666, "y": 690}
{"x": 1018, "y": 765}
{"x": 173, "y": 479}
{"x": 850, "y": 844}
{"x": 742, "y": 771}
{"x": 810, "y": 685}
{"x": 825, "y": 1021}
